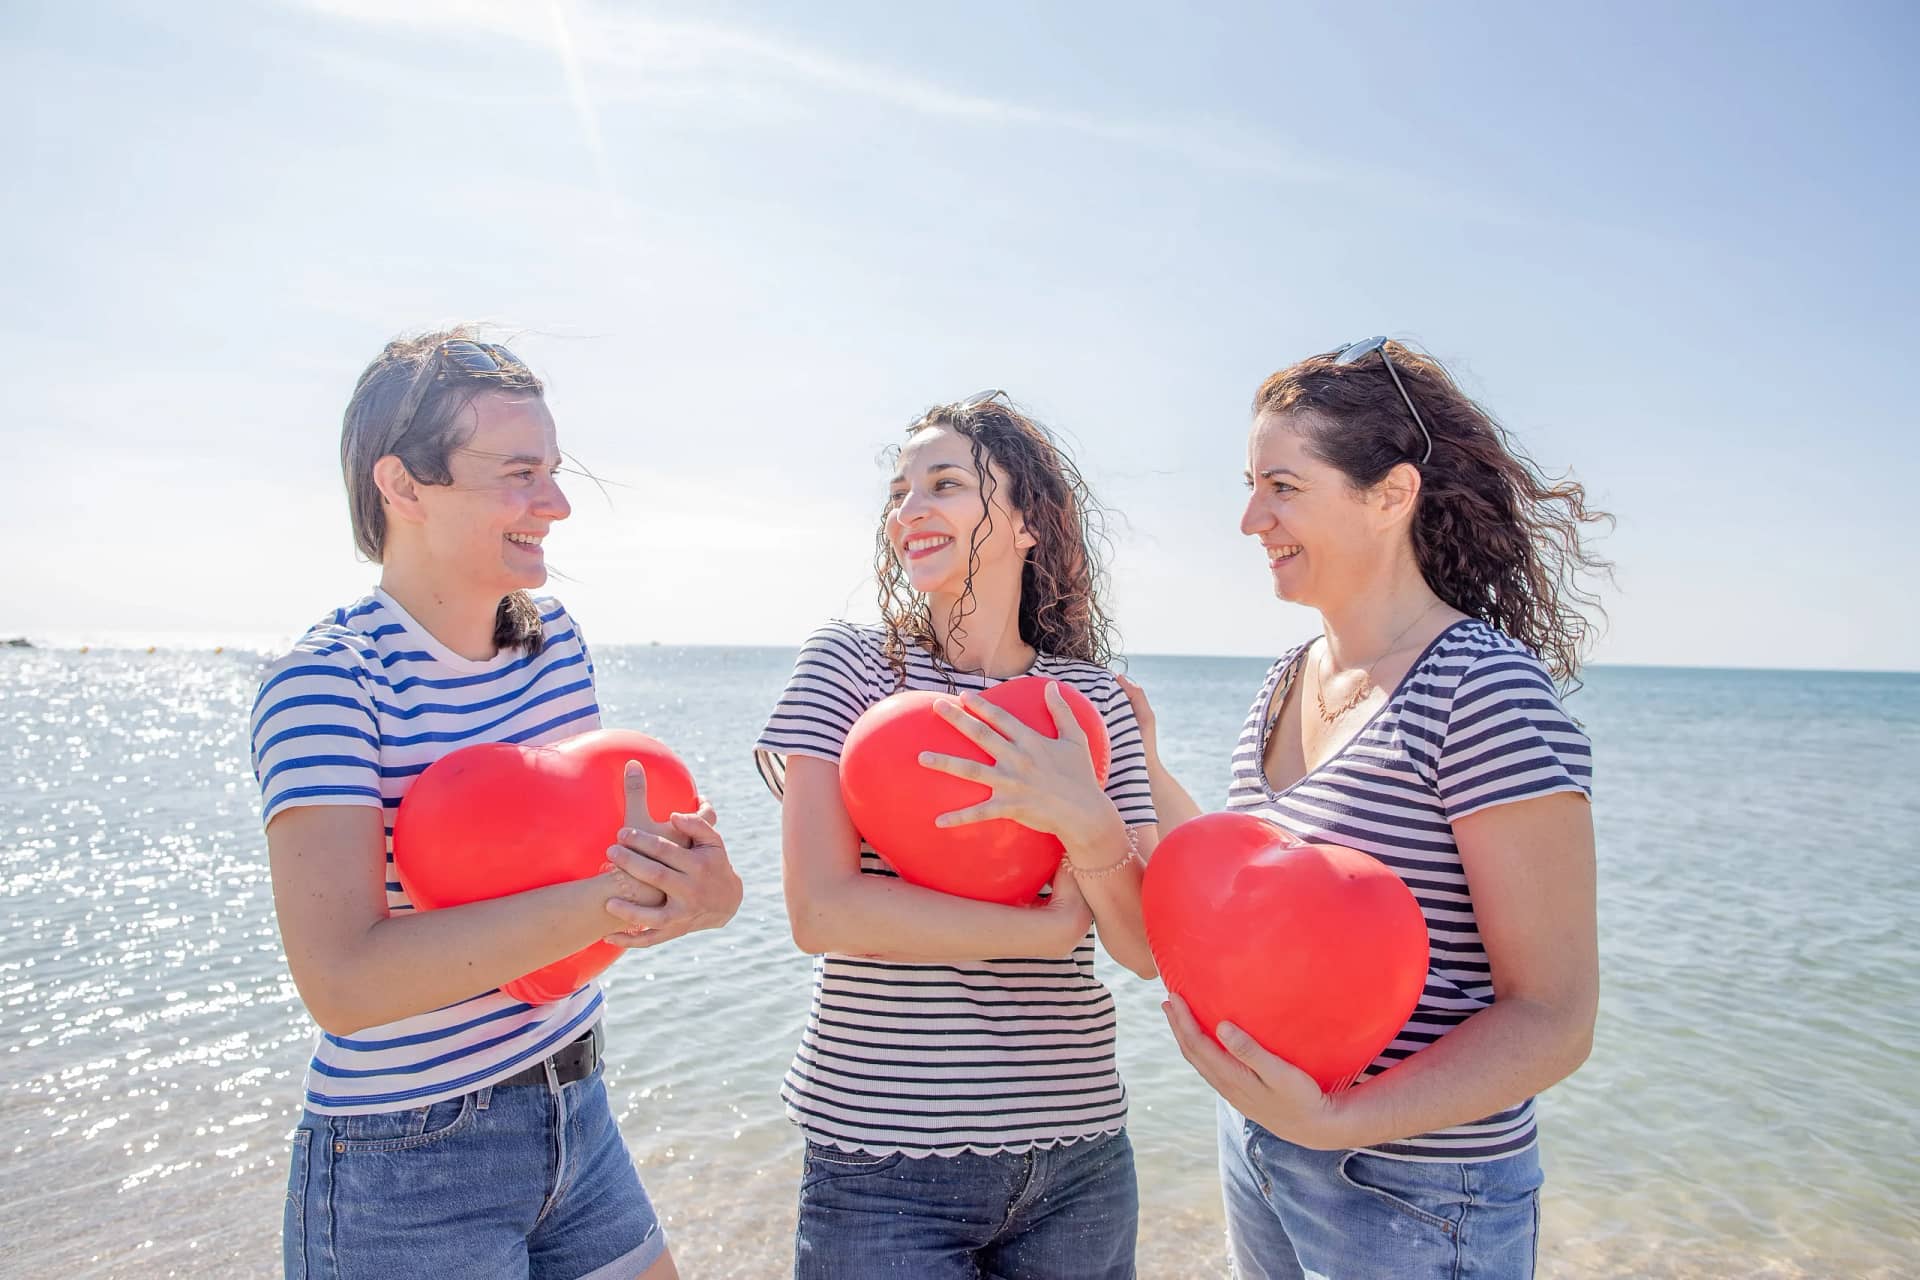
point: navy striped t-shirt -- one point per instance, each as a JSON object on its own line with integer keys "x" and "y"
{"x": 1475, "y": 723}
{"x": 362, "y": 705}
{"x": 938, "y": 1059}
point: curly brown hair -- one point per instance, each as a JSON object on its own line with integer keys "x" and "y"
{"x": 1065, "y": 573}
{"x": 1494, "y": 537}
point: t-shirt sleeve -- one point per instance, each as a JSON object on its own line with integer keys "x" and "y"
{"x": 1508, "y": 738}
{"x": 1128, "y": 784}
{"x": 316, "y": 740}
{"x": 824, "y": 696}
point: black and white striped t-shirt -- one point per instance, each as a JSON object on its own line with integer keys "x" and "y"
{"x": 937, "y": 1059}
{"x": 1475, "y": 723}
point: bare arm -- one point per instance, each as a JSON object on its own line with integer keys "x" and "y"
{"x": 1170, "y": 800}
{"x": 358, "y": 967}
{"x": 832, "y": 906}
{"x": 1530, "y": 868}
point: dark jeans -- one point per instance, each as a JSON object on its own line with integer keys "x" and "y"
{"x": 1063, "y": 1213}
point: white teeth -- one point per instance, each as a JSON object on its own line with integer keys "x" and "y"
{"x": 525, "y": 539}
{"x": 932, "y": 540}
{"x": 1276, "y": 554}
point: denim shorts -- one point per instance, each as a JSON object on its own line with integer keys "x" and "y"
{"x": 1293, "y": 1212}
{"x": 1061, "y": 1213}
{"x": 528, "y": 1181}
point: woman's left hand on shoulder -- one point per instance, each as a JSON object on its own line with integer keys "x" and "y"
{"x": 1044, "y": 783}
{"x": 1268, "y": 1090}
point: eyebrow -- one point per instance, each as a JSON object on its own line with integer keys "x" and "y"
{"x": 514, "y": 459}
{"x": 900, "y": 476}
{"x": 1271, "y": 472}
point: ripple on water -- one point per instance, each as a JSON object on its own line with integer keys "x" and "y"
{"x": 1749, "y": 1109}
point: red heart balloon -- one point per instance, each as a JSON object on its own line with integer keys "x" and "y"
{"x": 499, "y": 818}
{"x": 893, "y": 799}
{"x": 1316, "y": 951}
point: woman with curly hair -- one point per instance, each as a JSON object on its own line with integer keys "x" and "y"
{"x": 1424, "y": 727}
{"x": 956, "y": 1081}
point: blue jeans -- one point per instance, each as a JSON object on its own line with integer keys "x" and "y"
{"x": 1062, "y": 1213}
{"x": 1352, "y": 1215}
{"x": 530, "y": 1182}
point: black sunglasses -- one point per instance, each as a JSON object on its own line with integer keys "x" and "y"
{"x": 1354, "y": 352}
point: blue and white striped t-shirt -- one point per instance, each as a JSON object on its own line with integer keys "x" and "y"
{"x": 1475, "y": 723}
{"x": 937, "y": 1059}
{"x": 362, "y": 705}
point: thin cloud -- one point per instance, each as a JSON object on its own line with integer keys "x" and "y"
{"x": 631, "y": 45}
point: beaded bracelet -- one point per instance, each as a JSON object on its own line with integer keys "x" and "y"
{"x": 1133, "y": 853}
{"x": 1094, "y": 873}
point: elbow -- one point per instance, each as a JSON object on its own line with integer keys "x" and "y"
{"x": 809, "y": 925}
{"x": 335, "y": 1014}
{"x": 334, "y": 1001}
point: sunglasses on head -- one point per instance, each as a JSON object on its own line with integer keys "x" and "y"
{"x": 477, "y": 357}
{"x": 1354, "y": 352}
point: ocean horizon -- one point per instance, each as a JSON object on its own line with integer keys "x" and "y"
{"x": 1750, "y": 1107}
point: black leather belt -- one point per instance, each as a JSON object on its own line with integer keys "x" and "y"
{"x": 572, "y": 1061}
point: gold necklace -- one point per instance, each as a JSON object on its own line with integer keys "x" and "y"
{"x": 1366, "y": 680}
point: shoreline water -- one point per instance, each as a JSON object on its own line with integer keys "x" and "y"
{"x": 1748, "y": 1110}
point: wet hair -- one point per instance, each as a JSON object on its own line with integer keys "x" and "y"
{"x": 411, "y": 402}
{"x": 1064, "y": 575}
{"x": 1493, "y": 536}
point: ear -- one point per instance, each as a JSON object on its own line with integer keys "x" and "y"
{"x": 399, "y": 491}
{"x": 1397, "y": 493}
{"x": 1022, "y": 540}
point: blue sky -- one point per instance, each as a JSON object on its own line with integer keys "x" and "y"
{"x": 747, "y": 243}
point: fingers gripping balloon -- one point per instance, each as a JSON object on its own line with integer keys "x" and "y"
{"x": 893, "y": 799}
{"x": 490, "y": 820}
{"x": 1316, "y": 951}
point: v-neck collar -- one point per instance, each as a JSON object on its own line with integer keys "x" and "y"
{"x": 1286, "y": 681}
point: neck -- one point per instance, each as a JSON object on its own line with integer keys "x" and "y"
{"x": 991, "y": 645}
{"x": 462, "y": 620}
{"x": 1378, "y": 611}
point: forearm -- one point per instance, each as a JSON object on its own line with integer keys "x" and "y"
{"x": 882, "y": 916}
{"x": 1171, "y": 801}
{"x": 418, "y": 961}
{"x": 1494, "y": 1060}
{"x": 1113, "y": 895}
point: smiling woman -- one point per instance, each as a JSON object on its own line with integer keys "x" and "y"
{"x": 450, "y": 1127}
{"x": 956, "y": 1080}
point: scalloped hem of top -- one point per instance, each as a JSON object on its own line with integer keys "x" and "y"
{"x": 965, "y": 1148}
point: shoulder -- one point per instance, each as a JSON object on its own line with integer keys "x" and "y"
{"x": 852, "y": 648}
{"x": 558, "y": 628}
{"x": 1474, "y": 662}
{"x": 1092, "y": 679}
{"x": 346, "y": 643}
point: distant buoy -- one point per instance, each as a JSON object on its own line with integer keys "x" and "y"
{"x": 219, "y": 648}
{"x": 150, "y": 648}
{"x": 85, "y": 647}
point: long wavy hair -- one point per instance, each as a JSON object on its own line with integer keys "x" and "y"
{"x": 1494, "y": 537}
{"x": 410, "y": 403}
{"x": 1065, "y": 574}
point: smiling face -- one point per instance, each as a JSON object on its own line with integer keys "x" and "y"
{"x": 1318, "y": 531}
{"x": 935, "y": 524}
{"x": 486, "y": 527}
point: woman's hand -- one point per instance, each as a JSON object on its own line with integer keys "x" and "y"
{"x": 1044, "y": 783}
{"x": 1068, "y": 905}
{"x": 667, "y": 879}
{"x": 1268, "y": 1090}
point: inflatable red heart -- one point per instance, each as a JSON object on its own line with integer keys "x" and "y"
{"x": 499, "y": 818}
{"x": 1316, "y": 951}
{"x": 893, "y": 799}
